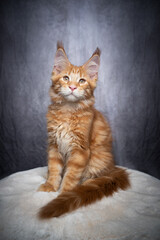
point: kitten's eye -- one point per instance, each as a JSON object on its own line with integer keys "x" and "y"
{"x": 66, "y": 78}
{"x": 82, "y": 80}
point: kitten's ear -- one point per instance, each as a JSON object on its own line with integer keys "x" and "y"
{"x": 61, "y": 61}
{"x": 92, "y": 65}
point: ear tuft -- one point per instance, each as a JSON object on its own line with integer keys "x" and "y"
{"x": 92, "y": 65}
{"x": 60, "y": 45}
{"x": 97, "y": 52}
{"x": 61, "y": 61}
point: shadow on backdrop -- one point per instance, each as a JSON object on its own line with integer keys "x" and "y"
{"x": 128, "y": 91}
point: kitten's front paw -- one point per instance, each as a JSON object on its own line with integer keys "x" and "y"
{"x": 46, "y": 187}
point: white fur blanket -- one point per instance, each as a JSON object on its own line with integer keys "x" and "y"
{"x": 129, "y": 215}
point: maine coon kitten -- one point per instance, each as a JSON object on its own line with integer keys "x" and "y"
{"x": 80, "y": 160}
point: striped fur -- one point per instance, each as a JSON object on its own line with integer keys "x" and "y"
{"x": 80, "y": 160}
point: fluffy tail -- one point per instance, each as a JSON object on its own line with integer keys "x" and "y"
{"x": 87, "y": 193}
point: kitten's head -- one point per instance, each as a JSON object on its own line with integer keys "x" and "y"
{"x": 72, "y": 83}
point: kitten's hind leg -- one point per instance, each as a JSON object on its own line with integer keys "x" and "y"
{"x": 55, "y": 166}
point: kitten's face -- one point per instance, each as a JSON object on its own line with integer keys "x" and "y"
{"x": 74, "y": 83}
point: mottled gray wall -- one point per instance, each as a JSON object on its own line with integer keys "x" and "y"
{"x": 128, "y": 33}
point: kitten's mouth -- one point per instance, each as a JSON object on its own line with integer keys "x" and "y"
{"x": 71, "y": 94}
{"x": 71, "y": 97}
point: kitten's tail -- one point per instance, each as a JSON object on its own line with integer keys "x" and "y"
{"x": 87, "y": 193}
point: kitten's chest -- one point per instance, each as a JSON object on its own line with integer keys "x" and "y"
{"x": 61, "y": 131}
{"x": 63, "y": 138}
{"x": 68, "y": 130}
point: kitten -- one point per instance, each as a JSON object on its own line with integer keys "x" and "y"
{"x": 80, "y": 160}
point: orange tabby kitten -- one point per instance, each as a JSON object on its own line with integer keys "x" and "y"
{"x": 80, "y": 160}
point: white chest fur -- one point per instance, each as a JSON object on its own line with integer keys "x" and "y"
{"x": 63, "y": 137}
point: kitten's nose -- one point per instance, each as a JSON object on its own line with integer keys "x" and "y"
{"x": 72, "y": 87}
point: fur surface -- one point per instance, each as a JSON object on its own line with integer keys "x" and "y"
{"x": 128, "y": 215}
{"x": 80, "y": 160}
{"x": 85, "y": 194}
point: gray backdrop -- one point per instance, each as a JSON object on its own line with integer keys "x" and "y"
{"x": 128, "y": 92}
